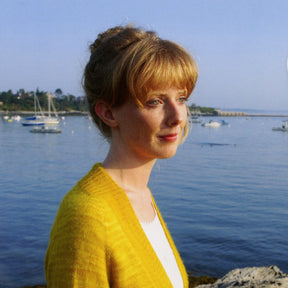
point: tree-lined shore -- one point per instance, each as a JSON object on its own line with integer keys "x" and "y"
{"x": 22, "y": 102}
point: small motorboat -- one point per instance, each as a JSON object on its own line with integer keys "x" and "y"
{"x": 212, "y": 123}
{"x": 283, "y": 128}
{"x": 45, "y": 129}
{"x": 195, "y": 119}
{"x": 224, "y": 123}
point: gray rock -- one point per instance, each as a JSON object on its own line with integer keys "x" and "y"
{"x": 252, "y": 277}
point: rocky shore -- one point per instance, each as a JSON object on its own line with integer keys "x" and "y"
{"x": 250, "y": 277}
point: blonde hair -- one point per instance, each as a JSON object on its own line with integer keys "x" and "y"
{"x": 128, "y": 63}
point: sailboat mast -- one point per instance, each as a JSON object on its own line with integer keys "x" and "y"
{"x": 35, "y": 105}
{"x": 49, "y": 99}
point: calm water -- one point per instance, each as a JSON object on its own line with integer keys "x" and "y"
{"x": 225, "y": 205}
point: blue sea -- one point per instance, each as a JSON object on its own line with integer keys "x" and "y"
{"x": 224, "y": 195}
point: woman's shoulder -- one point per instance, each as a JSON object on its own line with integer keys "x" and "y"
{"x": 97, "y": 183}
{"x": 93, "y": 194}
{"x": 93, "y": 185}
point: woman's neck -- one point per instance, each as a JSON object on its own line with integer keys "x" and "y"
{"x": 132, "y": 175}
{"x": 129, "y": 177}
{"x": 129, "y": 172}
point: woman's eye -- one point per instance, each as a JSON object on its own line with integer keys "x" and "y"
{"x": 153, "y": 102}
{"x": 182, "y": 99}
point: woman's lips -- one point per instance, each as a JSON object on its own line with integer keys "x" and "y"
{"x": 169, "y": 137}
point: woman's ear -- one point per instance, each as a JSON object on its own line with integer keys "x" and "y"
{"x": 104, "y": 112}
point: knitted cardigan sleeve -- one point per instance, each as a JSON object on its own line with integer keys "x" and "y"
{"x": 72, "y": 258}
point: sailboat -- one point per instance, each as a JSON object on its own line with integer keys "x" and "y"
{"x": 39, "y": 118}
{"x": 51, "y": 120}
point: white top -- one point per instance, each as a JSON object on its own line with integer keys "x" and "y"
{"x": 161, "y": 246}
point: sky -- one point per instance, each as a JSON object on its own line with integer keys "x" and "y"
{"x": 240, "y": 46}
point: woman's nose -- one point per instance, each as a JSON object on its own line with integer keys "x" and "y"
{"x": 175, "y": 114}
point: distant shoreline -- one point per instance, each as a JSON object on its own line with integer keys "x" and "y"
{"x": 241, "y": 114}
{"x": 253, "y": 115}
{"x": 266, "y": 115}
{"x": 218, "y": 113}
{"x": 31, "y": 113}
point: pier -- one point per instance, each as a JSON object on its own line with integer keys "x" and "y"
{"x": 221, "y": 113}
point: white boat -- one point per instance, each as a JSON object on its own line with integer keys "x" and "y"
{"x": 17, "y": 117}
{"x": 39, "y": 118}
{"x": 45, "y": 129}
{"x": 51, "y": 121}
{"x": 212, "y": 123}
{"x": 283, "y": 128}
{"x": 8, "y": 118}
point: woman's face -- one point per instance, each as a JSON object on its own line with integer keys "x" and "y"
{"x": 154, "y": 130}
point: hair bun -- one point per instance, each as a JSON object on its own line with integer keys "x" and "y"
{"x": 104, "y": 36}
{"x": 120, "y": 37}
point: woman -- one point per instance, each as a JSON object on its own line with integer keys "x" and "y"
{"x": 108, "y": 231}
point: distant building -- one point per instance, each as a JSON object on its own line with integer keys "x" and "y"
{"x": 218, "y": 112}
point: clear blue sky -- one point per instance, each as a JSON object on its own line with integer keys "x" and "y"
{"x": 241, "y": 47}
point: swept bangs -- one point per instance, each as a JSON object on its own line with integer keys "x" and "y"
{"x": 164, "y": 66}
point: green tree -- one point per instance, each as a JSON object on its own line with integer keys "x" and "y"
{"x": 58, "y": 93}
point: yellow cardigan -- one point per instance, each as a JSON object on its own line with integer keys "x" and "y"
{"x": 97, "y": 240}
